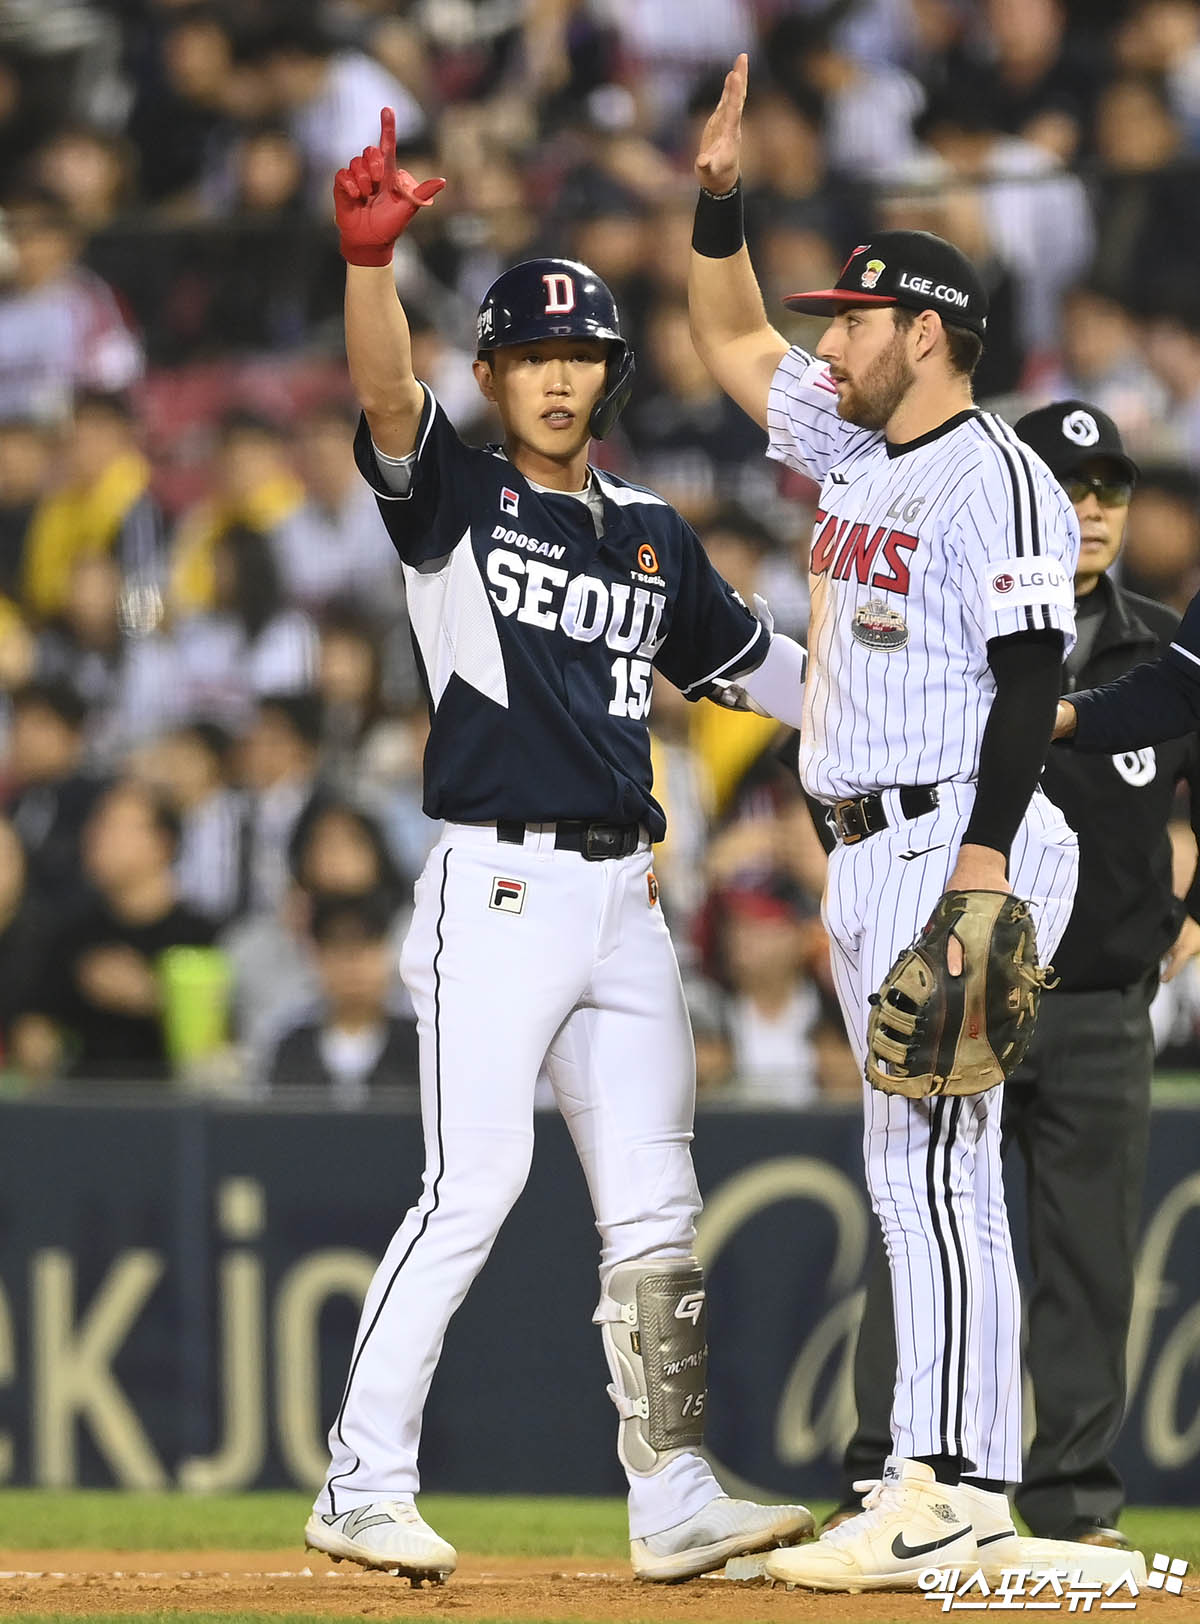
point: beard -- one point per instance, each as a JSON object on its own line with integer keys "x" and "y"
{"x": 870, "y": 403}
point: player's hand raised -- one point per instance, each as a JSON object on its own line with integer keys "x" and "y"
{"x": 374, "y": 201}
{"x": 719, "y": 161}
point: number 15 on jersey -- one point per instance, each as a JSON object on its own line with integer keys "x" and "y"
{"x": 632, "y": 688}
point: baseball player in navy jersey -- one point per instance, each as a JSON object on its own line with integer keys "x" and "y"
{"x": 941, "y": 575}
{"x": 541, "y": 594}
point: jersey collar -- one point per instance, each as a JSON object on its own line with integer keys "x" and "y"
{"x": 902, "y": 448}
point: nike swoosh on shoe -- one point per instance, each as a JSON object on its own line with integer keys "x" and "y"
{"x": 903, "y": 1552}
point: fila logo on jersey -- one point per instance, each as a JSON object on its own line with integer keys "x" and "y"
{"x": 508, "y": 896}
{"x": 560, "y": 293}
{"x": 629, "y": 619}
{"x": 844, "y": 549}
{"x": 509, "y": 501}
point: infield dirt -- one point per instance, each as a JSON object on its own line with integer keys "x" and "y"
{"x": 82, "y": 1583}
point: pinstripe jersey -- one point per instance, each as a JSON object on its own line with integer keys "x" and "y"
{"x": 920, "y": 554}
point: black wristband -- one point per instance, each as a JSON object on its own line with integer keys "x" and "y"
{"x": 719, "y": 230}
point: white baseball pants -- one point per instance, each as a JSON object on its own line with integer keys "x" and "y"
{"x": 933, "y": 1166}
{"x": 519, "y": 958}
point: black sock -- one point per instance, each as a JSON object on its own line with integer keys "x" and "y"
{"x": 990, "y": 1485}
{"x": 946, "y": 1468}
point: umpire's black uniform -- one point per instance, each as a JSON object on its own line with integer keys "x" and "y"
{"x": 1078, "y": 1108}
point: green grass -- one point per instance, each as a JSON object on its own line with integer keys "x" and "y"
{"x": 101, "y": 1519}
{"x": 490, "y": 1525}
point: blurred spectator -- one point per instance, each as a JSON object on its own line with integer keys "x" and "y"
{"x": 104, "y": 505}
{"x": 669, "y": 45}
{"x": 250, "y": 643}
{"x": 26, "y": 465}
{"x": 191, "y": 767}
{"x": 96, "y": 1014}
{"x": 357, "y": 1049}
{"x": 252, "y": 485}
{"x": 182, "y": 114}
{"x": 280, "y": 763}
{"x": 763, "y": 945}
{"x": 1173, "y": 349}
{"x": 1039, "y": 81}
{"x": 1103, "y": 360}
{"x": 692, "y": 441}
{"x": 1147, "y": 194}
{"x": 334, "y": 850}
{"x": 92, "y": 174}
{"x": 1162, "y": 541}
{"x": 61, "y": 328}
{"x": 1037, "y": 214}
{"x": 368, "y": 749}
{"x": 1162, "y": 38}
{"x": 869, "y": 107}
{"x": 24, "y": 930}
{"x": 330, "y": 97}
{"x": 50, "y": 795}
{"x": 334, "y": 545}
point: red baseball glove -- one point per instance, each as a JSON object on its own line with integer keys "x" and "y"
{"x": 373, "y": 201}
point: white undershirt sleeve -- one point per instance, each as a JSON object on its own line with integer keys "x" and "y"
{"x": 777, "y": 685}
{"x": 396, "y": 472}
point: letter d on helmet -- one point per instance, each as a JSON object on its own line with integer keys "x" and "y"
{"x": 559, "y": 298}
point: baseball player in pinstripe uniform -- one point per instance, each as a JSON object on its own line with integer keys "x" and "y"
{"x": 941, "y": 573}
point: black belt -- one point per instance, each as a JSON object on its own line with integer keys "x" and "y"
{"x": 594, "y": 841}
{"x": 853, "y": 820}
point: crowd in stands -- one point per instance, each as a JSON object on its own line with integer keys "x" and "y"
{"x": 211, "y": 721}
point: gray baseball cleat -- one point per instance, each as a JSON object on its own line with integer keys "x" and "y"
{"x": 387, "y": 1534}
{"x": 719, "y": 1530}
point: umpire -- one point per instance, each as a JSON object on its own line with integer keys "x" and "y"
{"x": 1078, "y": 1107}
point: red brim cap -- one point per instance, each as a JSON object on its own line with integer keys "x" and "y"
{"x": 825, "y": 301}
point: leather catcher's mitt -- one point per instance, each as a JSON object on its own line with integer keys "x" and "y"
{"x": 931, "y": 1032}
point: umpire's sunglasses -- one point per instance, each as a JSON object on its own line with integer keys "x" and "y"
{"x": 1108, "y": 492}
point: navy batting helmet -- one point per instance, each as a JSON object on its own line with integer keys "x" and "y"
{"x": 559, "y": 298}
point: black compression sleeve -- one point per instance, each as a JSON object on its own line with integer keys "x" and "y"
{"x": 1028, "y": 670}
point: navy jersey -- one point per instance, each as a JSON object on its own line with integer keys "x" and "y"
{"x": 536, "y": 637}
{"x": 1155, "y": 702}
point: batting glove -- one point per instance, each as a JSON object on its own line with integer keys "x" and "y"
{"x": 373, "y": 200}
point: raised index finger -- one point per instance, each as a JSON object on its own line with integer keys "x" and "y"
{"x": 387, "y": 137}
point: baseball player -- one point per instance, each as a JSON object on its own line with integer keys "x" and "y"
{"x": 541, "y": 592}
{"x": 1078, "y": 1107}
{"x": 940, "y": 570}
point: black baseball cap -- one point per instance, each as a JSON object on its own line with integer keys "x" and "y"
{"x": 1072, "y": 433}
{"x": 910, "y": 268}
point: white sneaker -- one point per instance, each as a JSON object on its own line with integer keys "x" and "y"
{"x": 387, "y": 1534}
{"x": 719, "y": 1530}
{"x": 909, "y": 1523}
{"x": 997, "y": 1539}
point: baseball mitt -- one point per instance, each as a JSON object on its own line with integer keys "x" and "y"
{"x": 934, "y": 1032}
